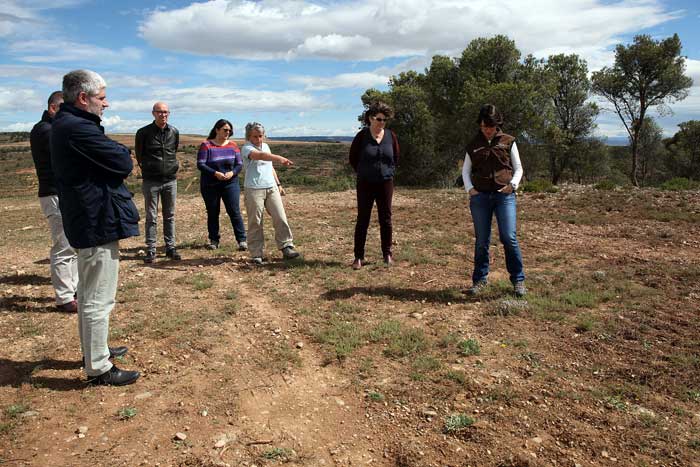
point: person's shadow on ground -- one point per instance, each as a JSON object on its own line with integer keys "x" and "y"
{"x": 14, "y": 374}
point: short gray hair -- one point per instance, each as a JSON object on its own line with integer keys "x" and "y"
{"x": 253, "y": 126}
{"x": 78, "y": 81}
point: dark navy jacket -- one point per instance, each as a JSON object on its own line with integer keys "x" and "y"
{"x": 39, "y": 140}
{"x": 90, "y": 170}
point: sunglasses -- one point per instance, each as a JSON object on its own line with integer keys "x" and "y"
{"x": 381, "y": 119}
{"x": 161, "y": 112}
{"x": 226, "y": 130}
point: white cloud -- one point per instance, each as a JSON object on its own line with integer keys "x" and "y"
{"x": 362, "y": 80}
{"x": 115, "y": 124}
{"x": 57, "y": 51}
{"x": 19, "y": 126}
{"x": 377, "y": 29}
{"x": 25, "y": 17}
{"x": 44, "y": 75}
{"x": 335, "y": 46}
{"x": 14, "y": 100}
{"x": 308, "y": 130}
{"x": 219, "y": 99}
{"x": 344, "y": 80}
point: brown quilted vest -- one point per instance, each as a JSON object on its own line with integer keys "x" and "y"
{"x": 491, "y": 165}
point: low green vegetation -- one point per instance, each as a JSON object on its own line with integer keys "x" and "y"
{"x": 127, "y": 413}
{"x": 469, "y": 347}
{"x": 456, "y": 422}
{"x": 539, "y": 186}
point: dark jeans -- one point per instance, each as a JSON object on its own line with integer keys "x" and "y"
{"x": 167, "y": 191}
{"x": 483, "y": 207}
{"x": 367, "y": 194}
{"x": 230, "y": 193}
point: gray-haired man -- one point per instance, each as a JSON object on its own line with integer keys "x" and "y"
{"x": 62, "y": 258}
{"x": 97, "y": 212}
{"x": 156, "y": 148}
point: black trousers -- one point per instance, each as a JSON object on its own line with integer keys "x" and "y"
{"x": 367, "y": 194}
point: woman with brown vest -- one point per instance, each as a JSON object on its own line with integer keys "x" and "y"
{"x": 491, "y": 173}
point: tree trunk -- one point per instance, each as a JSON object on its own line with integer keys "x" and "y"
{"x": 633, "y": 173}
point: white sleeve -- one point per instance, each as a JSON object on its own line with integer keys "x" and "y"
{"x": 467, "y": 172}
{"x": 517, "y": 166}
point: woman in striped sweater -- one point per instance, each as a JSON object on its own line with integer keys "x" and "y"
{"x": 219, "y": 161}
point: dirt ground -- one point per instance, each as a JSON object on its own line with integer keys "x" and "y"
{"x": 311, "y": 363}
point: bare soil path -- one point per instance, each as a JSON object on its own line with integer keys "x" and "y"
{"x": 310, "y": 363}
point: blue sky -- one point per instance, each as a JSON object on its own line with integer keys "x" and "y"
{"x": 297, "y": 66}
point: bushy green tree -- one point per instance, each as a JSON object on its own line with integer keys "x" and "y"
{"x": 684, "y": 151}
{"x": 646, "y": 74}
{"x": 435, "y": 111}
{"x": 571, "y": 118}
{"x": 651, "y": 152}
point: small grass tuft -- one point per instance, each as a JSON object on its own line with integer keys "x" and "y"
{"x": 585, "y": 324}
{"x": 509, "y": 307}
{"x": 343, "y": 336}
{"x": 375, "y": 396}
{"x": 277, "y": 454}
{"x": 15, "y": 410}
{"x": 469, "y": 347}
{"x": 457, "y": 422}
{"x": 408, "y": 342}
{"x": 127, "y": 413}
{"x": 457, "y": 376}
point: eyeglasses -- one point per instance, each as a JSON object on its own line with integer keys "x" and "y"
{"x": 381, "y": 119}
{"x": 227, "y": 130}
{"x": 161, "y": 112}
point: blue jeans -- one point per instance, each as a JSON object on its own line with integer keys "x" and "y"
{"x": 483, "y": 206}
{"x": 230, "y": 193}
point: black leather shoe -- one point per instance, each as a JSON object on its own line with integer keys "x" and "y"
{"x": 173, "y": 254}
{"x": 150, "y": 257}
{"x": 118, "y": 351}
{"x": 115, "y": 377}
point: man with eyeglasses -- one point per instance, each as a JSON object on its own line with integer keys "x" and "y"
{"x": 156, "y": 148}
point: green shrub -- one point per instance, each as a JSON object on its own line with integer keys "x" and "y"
{"x": 606, "y": 185}
{"x": 456, "y": 422}
{"x": 469, "y": 347}
{"x": 678, "y": 183}
{"x": 539, "y": 186}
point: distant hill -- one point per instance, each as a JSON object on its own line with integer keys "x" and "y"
{"x": 314, "y": 139}
{"x": 617, "y": 141}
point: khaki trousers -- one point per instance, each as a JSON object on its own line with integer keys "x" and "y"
{"x": 98, "y": 269}
{"x": 257, "y": 201}
{"x": 64, "y": 262}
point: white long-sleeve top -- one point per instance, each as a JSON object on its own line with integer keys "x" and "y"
{"x": 514, "y": 160}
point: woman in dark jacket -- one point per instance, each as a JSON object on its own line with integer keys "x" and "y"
{"x": 220, "y": 162}
{"x": 491, "y": 173}
{"x": 374, "y": 154}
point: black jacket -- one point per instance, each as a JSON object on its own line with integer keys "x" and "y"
{"x": 372, "y": 161}
{"x": 156, "y": 152}
{"x": 90, "y": 170}
{"x": 40, "y": 142}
